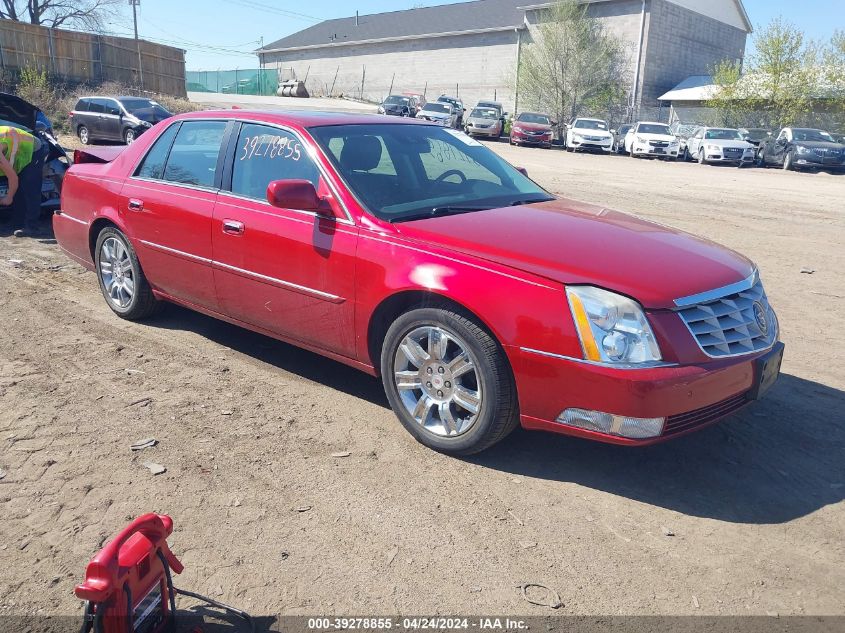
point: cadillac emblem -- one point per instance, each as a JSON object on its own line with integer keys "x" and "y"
{"x": 760, "y": 317}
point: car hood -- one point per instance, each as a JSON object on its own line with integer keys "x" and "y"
{"x": 655, "y": 137}
{"x": 431, "y": 114}
{"x": 17, "y": 111}
{"x": 819, "y": 144}
{"x": 576, "y": 243}
{"x": 727, "y": 143}
{"x": 532, "y": 126}
{"x": 582, "y": 131}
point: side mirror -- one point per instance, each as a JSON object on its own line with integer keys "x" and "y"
{"x": 522, "y": 171}
{"x": 297, "y": 194}
{"x": 612, "y": 131}
{"x": 40, "y": 126}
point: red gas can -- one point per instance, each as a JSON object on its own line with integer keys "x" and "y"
{"x": 127, "y": 585}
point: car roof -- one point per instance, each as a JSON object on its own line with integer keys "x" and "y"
{"x": 651, "y": 123}
{"x": 586, "y": 118}
{"x": 301, "y": 118}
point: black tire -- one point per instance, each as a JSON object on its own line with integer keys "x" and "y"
{"x": 761, "y": 161}
{"x": 499, "y": 410}
{"x": 142, "y": 303}
{"x": 84, "y": 134}
{"x": 129, "y": 136}
{"x": 787, "y": 161}
{"x": 701, "y": 160}
{"x": 685, "y": 157}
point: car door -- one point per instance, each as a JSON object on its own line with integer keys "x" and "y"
{"x": 168, "y": 204}
{"x": 95, "y": 119}
{"x": 778, "y": 150}
{"x": 112, "y": 120}
{"x": 288, "y": 271}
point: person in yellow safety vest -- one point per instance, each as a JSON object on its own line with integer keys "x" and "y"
{"x": 22, "y": 161}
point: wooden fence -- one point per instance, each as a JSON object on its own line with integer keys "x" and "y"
{"x": 92, "y": 58}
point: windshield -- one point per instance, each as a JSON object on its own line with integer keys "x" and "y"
{"x": 723, "y": 135}
{"x": 800, "y": 134}
{"x": 757, "y": 133}
{"x": 395, "y": 100}
{"x": 590, "y": 125}
{"x": 653, "y": 128}
{"x": 448, "y": 100}
{"x": 403, "y": 172}
{"x": 685, "y": 130}
{"x": 484, "y": 113}
{"x": 529, "y": 117}
{"x": 438, "y": 107}
{"x": 145, "y": 109}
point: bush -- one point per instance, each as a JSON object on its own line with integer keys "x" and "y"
{"x": 57, "y": 98}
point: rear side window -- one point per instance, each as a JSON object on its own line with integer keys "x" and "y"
{"x": 81, "y": 105}
{"x": 265, "y": 154}
{"x": 193, "y": 157}
{"x": 154, "y": 161}
{"x": 96, "y": 105}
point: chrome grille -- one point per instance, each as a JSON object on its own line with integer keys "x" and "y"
{"x": 737, "y": 323}
{"x": 732, "y": 151}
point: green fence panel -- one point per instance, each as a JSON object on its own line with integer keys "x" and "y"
{"x": 246, "y": 81}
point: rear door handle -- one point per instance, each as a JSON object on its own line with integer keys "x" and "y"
{"x": 135, "y": 205}
{"x": 233, "y": 227}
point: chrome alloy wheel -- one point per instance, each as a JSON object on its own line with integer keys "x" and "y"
{"x": 437, "y": 379}
{"x": 116, "y": 272}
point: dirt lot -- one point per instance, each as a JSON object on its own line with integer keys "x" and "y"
{"x": 247, "y": 426}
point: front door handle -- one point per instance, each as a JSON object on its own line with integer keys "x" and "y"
{"x": 135, "y": 205}
{"x": 233, "y": 227}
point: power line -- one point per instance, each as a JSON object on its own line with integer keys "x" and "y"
{"x": 177, "y": 38}
{"x": 198, "y": 47}
{"x": 252, "y": 4}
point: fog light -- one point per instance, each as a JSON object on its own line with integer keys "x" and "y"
{"x": 624, "y": 426}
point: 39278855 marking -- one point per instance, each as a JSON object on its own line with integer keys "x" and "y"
{"x": 349, "y": 623}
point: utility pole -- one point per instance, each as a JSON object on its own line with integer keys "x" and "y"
{"x": 135, "y": 4}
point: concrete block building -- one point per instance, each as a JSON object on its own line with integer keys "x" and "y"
{"x": 470, "y": 49}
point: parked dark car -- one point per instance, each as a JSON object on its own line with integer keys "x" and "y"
{"x": 400, "y": 105}
{"x": 802, "y": 148}
{"x": 18, "y": 112}
{"x": 115, "y": 118}
{"x": 619, "y": 138}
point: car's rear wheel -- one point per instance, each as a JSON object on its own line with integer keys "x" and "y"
{"x": 129, "y": 136}
{"x": 122, "y": 281}
{"x": 83, "y": 134}
{"x": 448, "y": 381}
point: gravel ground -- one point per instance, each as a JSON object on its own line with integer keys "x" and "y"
{"x": 746, "y": 517}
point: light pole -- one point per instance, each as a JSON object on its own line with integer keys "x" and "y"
{"x": 135, "y": 4}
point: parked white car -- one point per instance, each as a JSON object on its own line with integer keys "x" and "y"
{"x": 589, "y": 134}
{"x": 439, "y": 112}
{"x": 719, "y": 145}
{"x": 648, "y": 138}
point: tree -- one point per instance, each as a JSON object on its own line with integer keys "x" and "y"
{"x": 778, "y": 84}
{"x": 90, "y": 15}
{"x": 572, "y": 65}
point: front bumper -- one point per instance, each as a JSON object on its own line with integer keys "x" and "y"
{"x": 817, "y": 162}
{"x": 531, "y": 139}
{"x": 596, "y": 146}
{"x": 690, "y": 397}
{"x": 712, "y": 156}
{"x": 641, "y": 149}
{"x": 482, "y": 131}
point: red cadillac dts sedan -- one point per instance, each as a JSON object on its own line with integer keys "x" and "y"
{"x": 413, "y": 252}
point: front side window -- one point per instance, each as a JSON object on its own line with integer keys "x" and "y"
{"x": 154, "y": 161}
{"x": 403, "y": 172}
{"x": 265, "y": 154}
{"x": 193, "y": 157}
{"x": 110, "y": 106}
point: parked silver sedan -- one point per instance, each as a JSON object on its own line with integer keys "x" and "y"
{"x": 719, "y": 145}
{"x": 484, "y": 122}
{"x": 439, "y": 112}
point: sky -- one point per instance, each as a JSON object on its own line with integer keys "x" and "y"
{"x": 222, "y": 33}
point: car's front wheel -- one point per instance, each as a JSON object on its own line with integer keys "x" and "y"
{"x": 448, "y": 381}
{"x": 122, "y": 281}
{"x": 701, "y": 159}
{"x": 787, "y": 161}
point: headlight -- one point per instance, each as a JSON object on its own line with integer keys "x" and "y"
{"x": 577, "y": 137}
{"x": 640, "y": 139}
{"x": 612, "y": 328}
{"x": 802, "y": 150}
{"x": 673, "y": 143}
{"x": 145, "y": 124}
{"x": 714, "y": 148}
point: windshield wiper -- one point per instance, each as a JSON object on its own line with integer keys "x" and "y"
{"x": 450, "y": 209}
{"x": 517, "y": 203}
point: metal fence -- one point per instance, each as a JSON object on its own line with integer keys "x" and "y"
{"x": 247, "y": 81}
{"x": 92, "y": 58}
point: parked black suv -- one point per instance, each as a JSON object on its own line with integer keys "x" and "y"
{"x": 115, "y": 118}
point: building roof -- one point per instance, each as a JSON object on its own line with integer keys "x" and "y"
{"x": 478, "y": 15}
{"x": 462, "y": 17}
{"x": 695, "y": 88}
